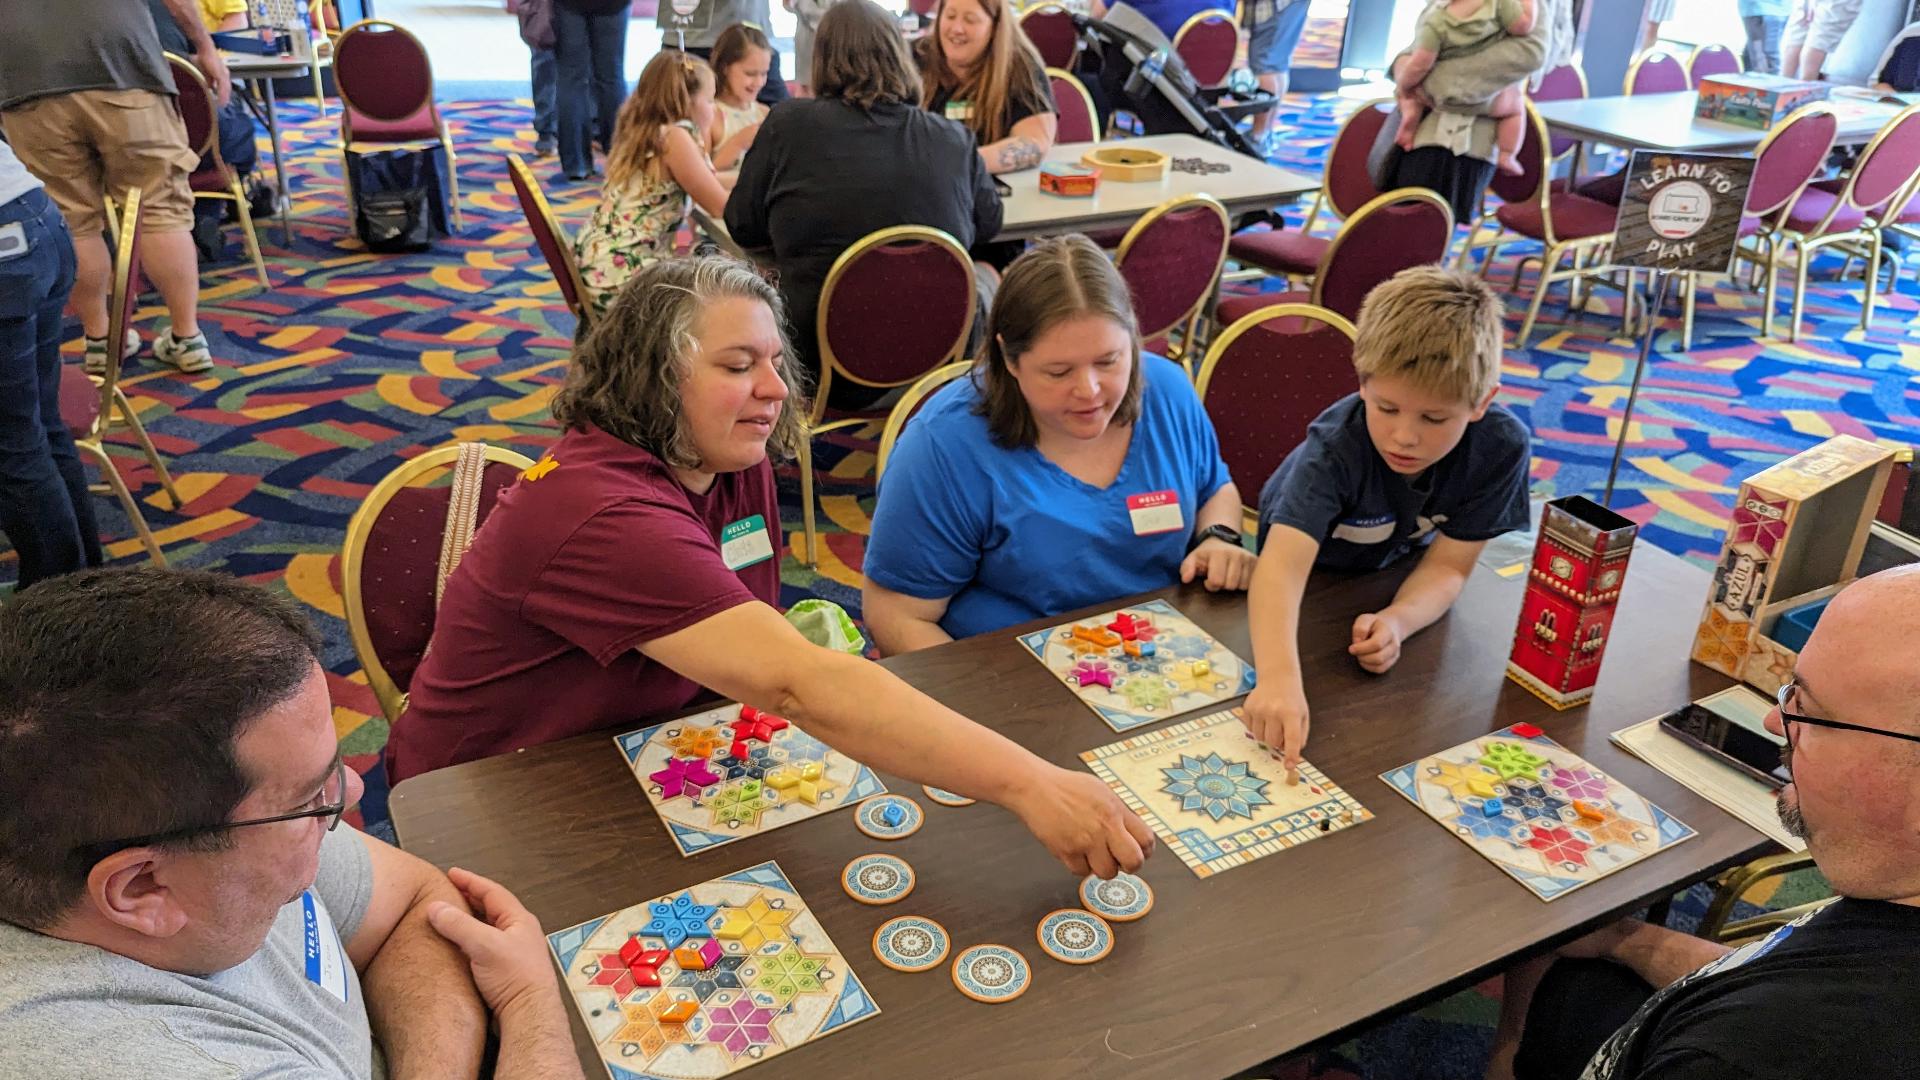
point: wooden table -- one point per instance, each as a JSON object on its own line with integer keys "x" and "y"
{"x": 1251, "y": 184}
{"x": 1224, "y": 973}
{"x": 1666, "y": 122}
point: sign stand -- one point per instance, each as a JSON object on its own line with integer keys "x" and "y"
{"x": 1679, "y": 212}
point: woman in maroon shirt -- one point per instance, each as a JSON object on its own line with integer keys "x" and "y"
{"x": 600, "y": 591}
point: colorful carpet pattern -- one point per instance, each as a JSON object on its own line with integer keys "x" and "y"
{"x": 352, "y": 363}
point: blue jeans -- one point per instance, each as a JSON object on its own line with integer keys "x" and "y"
{"x": 45, "y": 509}
{"x": 1763, "y": 42}
{"x": 590, "y": 52}
{"x": 544, "y": 94}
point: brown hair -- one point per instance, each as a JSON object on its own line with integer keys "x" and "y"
{"x": 624, "y": 378}
{"x": 732, "y": 46}
{"x": 858, "y": 57}
{"x": 1438, "y": 329}
{"x": 1057, "y": 279}
{"x": 662, "y": 98}
{"x": 1010, "y": 57}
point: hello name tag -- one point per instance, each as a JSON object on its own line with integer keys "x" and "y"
{"x": 1156, "y": 512}
{"x": 960, "y": 111}
{"x": 745, "y": 542}
{"x": 326, "y": 963}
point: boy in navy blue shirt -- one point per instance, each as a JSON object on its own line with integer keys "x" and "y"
{"x": 1420, "y": 457}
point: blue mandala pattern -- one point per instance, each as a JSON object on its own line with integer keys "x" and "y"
{"x": 1215, "y": 786}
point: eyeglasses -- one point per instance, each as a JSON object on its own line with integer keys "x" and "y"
{"x": 1789, "y": 718}
{"x": 334, "y": 810}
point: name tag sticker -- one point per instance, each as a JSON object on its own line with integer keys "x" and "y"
{"x": 326, "y": 963}
{"x": 745, "y": 542}
{"x": 1155, "y": 512}
{"x": 960, "y": 111}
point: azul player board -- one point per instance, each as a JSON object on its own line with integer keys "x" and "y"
{"x": 734, "y": 772}
{"x": 1140, "y": 665}
{"x": 1218, "y": 798}
{"x": 701, "y": 983}
{"x": 1537, "y": 810}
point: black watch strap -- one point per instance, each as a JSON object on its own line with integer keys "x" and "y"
{"x": 1214, "y": 532}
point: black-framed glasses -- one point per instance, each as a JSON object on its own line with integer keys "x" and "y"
{"x": 334, "y": 810}
{"x": 1789, "y": 718}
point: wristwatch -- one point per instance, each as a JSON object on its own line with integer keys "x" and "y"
{"x": 1214, "y": 532}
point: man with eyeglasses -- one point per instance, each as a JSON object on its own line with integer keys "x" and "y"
{"x": 176, "y": 896}
{"x": 1835, "y": 992}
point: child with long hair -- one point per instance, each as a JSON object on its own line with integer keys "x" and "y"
{"x": 658, "y": 161}
{"x": 741, "y": 59}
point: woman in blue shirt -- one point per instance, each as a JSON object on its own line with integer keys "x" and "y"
{"x": 1066, "y": 470}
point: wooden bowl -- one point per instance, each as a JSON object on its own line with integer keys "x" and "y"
{"x": 1125, "y": 164}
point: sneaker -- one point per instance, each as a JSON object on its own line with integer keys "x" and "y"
{"x": 190, "y": 355}
{"x": 94, "y": 360}
{"x": 544, "y": 147}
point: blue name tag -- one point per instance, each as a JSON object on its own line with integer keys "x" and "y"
{"x": 326, "y": 962}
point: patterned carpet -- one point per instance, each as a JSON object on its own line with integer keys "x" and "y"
{"x": 352, "y": 363}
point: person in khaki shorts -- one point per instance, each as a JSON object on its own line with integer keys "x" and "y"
{"x": 86, "y": 102}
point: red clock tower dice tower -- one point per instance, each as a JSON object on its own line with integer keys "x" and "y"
{"x": 1573, "y": 586}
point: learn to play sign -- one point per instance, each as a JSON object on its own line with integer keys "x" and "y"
{"x": 1681, "y": 211}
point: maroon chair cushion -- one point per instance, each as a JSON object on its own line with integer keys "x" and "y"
{"x": 210, "y": 177}
{"x": 1208, "y": 50}
{"x": 1053, "y": 35}
{"x": 1268, "y": 387}
{"x": 1711, "y": 61}
{"x": 1279, "y": 251}
{"x": 1234, "y": 308}
{"x": 550, "y": 244}
{"x": 401, "y": 561}
{"x": 1792, "y": 155}
{"x": 385, "y": 76}
{"x": 1811, "y": 208}
{"x": 1172, "y": 265}
{"x": 1574, "y": 217}
{"x": 1077, "y": 121}
{"x": 1661, "y": 74}
{"x": 79, "y": 401}
{"x": 896, "y": 311}
{"x": 1608, "y": 189}
{"x": 1376, "y": 246}
{"x": 1888, "y": 166}
{"x": 422, "y": 123}
{"x": 1561, "y": 84}
{"x": 196, "y": 109}
{"x": 1349, "y": 185}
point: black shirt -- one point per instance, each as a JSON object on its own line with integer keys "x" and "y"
{"x": 822, "y": 174}
{"x": 1030, "y": 95}
{"x": 1834, "y": 994}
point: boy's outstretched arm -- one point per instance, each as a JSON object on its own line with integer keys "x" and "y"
{"x": 1425, "y": 596}
{"x": 1276, "y": 710}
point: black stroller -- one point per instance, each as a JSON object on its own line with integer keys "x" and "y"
{"x": 1136, "y": 69}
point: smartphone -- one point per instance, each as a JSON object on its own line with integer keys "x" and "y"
{"x": 1001, "y": 186}
{"x": 1732, "y": 729}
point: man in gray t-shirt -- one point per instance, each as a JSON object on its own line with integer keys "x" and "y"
{"x": 176, "y": 899}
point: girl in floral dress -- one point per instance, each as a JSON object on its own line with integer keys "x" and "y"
{"x": 659, "y": 161}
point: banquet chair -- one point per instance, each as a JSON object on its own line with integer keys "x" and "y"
{"x": 1345, "y": 187}
{"x": 552, "y": 239}
{"x": 1652, "y": 72}
{"x": 1400, "y": 229}
{"x": 213, "y": 179}
{"x": 1079, "y": 119}
{"x": 385, "y": 79}
{"x": 1050, "y": 28}
{"x": 1207, "y": 42}
{"x": 93, "y": 406}
{"x": 1708, "y": 61}
{"x": 1171, "y": 260}
{"x": 908, "y": 407}
{"x": 402, "y": 543}
{"x": 1264, "y": 380}
{"x": 869, "y": 338}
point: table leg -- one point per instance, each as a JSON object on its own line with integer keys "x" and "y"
{"x": 282, "y": 198}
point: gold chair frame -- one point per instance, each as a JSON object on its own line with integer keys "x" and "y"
{"x": 903, "y": 410}
{"x": 115, "y": 410}
{"x": 353, "y": 553}
{"x": 1188, "y": 323}
{"x": 347, "y": 145}
{"x": 582, "y": 311}
{"x": 830, "y": 365}
{"x": 1217, "y": 354}
{"x": 1196, "y": 19}
{"x": 1718, "y": 925}
{"x": 185, "y": 68}
{"x": 1093, "y": 114}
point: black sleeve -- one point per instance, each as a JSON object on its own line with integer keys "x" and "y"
{"x": 1687, "y": 1064}
{"x": 1033, "y": 95}
{"x": 747, "y": 206}
{"x": 987, "y": 211}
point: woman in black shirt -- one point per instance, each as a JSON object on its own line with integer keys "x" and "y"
{"x": 978, "y": 67}
{"x": 858, "y": 157}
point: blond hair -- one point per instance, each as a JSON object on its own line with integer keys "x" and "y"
{"x": 1438, "y": 329}
{"x": 662, "y": 98}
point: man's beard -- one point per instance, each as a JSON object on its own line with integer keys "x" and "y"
{"x": 1790, "y": 815}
